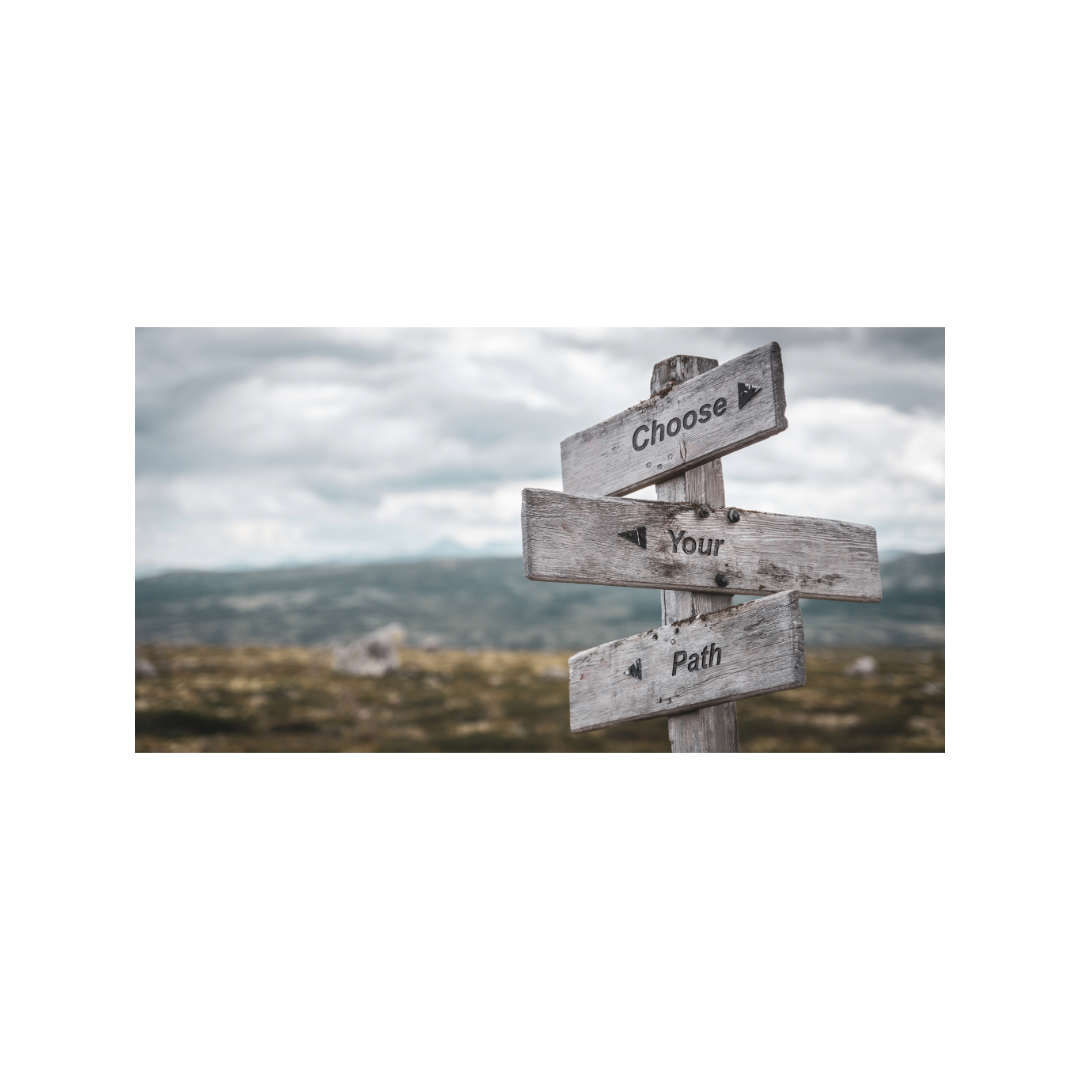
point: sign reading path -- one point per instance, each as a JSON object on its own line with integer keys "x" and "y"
{"x": 731, "y": 406}
{"x": 662, "y": 545}
{"x": 755, "y": 648}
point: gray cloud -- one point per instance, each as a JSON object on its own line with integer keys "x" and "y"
{"x": 263, "y": 446}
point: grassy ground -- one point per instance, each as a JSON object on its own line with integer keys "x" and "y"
{"x": 264, "y": 699}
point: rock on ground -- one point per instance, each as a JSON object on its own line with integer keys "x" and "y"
{"x": 374, "y": 654}
{"x": 862, "y": 665}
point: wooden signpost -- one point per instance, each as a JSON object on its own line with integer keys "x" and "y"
{"x": 699, "y": 551}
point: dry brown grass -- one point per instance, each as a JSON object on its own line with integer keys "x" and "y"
{"x": 266, "y": 699}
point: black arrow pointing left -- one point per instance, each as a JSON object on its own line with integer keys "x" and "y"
{"x": 635, "y": 536}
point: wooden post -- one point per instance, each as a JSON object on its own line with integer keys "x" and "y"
{"x": 714, "y": 730}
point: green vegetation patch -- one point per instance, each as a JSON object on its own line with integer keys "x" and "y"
{"x": 270, "y": 699}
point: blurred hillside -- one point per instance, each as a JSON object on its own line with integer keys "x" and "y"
{"x": 486, "y": 603}
{"x": 911, "y": 612}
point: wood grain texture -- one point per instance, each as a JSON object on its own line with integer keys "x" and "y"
{"x": 602, "y": 460}
{"x": 577, "y": 539}
{"x": 755, "y": 648}
{"x": 677, "y": 369}
{"x": 712, "y": 730}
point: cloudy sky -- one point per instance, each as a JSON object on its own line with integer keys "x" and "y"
{"x": 258, "y": 448}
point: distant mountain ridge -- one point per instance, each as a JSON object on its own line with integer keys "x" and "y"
{"x": 485, "y": 603}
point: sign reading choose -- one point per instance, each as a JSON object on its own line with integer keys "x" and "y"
{"x": 731, "y": 406}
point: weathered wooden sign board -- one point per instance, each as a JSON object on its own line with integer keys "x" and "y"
{"x": 731, "y": 406}
{"x": 663, "y": 545}
{"x": 695, "y": 548}
{"x": 755, "y": 648}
